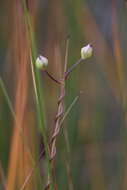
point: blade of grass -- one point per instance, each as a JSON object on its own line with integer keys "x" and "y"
{"x": 69, "y": 109}
{"x": 37, "y": 87}
{"x": 2, "y": 177}
{"x": 2, "y": 85}
{"x": 7, "y": 98}
{"x": 67, "y": 145}
{"x": 62, "y": 120}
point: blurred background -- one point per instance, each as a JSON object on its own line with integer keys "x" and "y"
{"x": 91, "y": 149}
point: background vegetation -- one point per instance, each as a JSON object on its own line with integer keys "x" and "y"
{"x": 91, "y": 149}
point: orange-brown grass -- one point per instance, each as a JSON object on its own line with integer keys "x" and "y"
{"x": 20, "y": 161}
{"x": 122, "y": 79}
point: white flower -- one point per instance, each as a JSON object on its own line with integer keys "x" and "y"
{"x": 86, "y": 51}
{"x": 41, "y": 62}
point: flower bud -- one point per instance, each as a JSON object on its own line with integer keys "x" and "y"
{"x": 86, "y": 51}
{"x": 41, "y": 62}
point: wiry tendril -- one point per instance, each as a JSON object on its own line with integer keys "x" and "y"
{"x": 59, "y": 114}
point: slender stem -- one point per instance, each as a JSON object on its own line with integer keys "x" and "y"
{"x": 2, "y": 177}
{"x": 66, "y": 55}
{"x": 67, "y": 160}
{"x": 37, "y": 87}
{"x": 60, "y": 111}
{"x": 72, "y": 68}
{"x": 7, "y": 98}
{"x": 69, "y": 109}
{"x": 32, "y": 170}
{"x": 2, "y": 85}
{"x": 43, "y": 152}
{"x": 51, "y": 77}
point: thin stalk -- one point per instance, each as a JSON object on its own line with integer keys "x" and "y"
{"x": 67, "y": 144}
{"x": 51, "y": 77}
{"x": 43, "y": 152}
{"x": 2, "y": 177}
{"x": 7, "y": 98}
{"x": 67, "y": 160}
{"x": 66, "y": 55}
{"x": 59, "y": 114}
{"x": 65, "y": 132}
{"x": 60, "y": 109}
{"x": 72, "y": 68}
{"x": 2, "y": 85}
{"x": 37, "y": 88}
{"x": 69, "y": 109}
